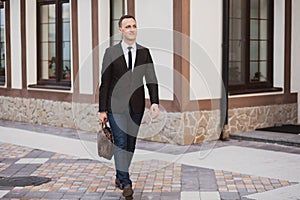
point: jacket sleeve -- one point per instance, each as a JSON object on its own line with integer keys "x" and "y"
{"x": 105, "y": 82}
{"x": 151, "y": 80}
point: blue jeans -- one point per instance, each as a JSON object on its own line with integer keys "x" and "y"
{"x": 125, "y": 127}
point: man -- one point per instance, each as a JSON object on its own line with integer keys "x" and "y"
{"x": 122, "y": 96}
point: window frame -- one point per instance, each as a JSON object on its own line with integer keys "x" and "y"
{"x": 59, "y": 82}
{"x": 248, "y": 86}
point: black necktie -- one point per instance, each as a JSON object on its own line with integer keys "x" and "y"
{"x": 129, "y": 58}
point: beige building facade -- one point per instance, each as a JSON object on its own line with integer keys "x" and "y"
{"x": 222, "y": 66}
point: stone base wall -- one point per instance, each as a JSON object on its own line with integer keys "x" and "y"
{"x": 182, "y": 128}
{"x": 177, "y": 128}
{"x": 250, "y": 118}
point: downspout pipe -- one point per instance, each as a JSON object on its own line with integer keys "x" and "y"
{"x": 225, "y": 56}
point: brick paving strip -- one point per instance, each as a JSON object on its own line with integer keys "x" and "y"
{"x": 74, "y": 178}
{"x": 238, "y": 185}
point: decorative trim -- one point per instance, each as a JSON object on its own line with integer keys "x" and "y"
{"x": 181, "y": 23}
{"x": 75, "y": 51}
{"x": 287, "y": 46}
{"x": 262, "y": 100}
{"x": 95, "y": 45}
{"x": 23, "y": 44}
{"x": 131, "y": 7}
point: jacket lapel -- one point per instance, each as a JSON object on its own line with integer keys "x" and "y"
{"x": 121, "y": 56}
{"x": 138, "y": 51}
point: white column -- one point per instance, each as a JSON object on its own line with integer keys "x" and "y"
{"x": 206, "y": 49}
{"x": 85, "y": 75}
{"x": 104, "y": 27}
{"x": 295, "y": 84}
{"x": 31, "y": 45}
{"x": 155, "y": 31}
{"x": 278, "y": 43}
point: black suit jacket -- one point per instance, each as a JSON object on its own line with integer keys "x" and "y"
{"x": 121, "y": 87}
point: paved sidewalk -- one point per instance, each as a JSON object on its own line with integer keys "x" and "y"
{"x": 210, "y": 171}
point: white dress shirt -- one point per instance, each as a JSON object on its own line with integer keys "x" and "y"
{"x": 125, "y": 51}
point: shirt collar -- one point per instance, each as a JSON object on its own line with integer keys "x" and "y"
{"x": 125, "y": 46}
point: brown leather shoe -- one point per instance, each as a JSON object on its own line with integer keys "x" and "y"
{"x": 128, "y": 192}
{"x": 118, "y": 184}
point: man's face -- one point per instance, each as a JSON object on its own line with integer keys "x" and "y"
{"x": 128, "y": 29}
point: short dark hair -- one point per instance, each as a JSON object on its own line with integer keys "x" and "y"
{"x": 125, "y": 17}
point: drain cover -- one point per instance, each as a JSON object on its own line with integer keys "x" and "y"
{"x": 23, "y": 181}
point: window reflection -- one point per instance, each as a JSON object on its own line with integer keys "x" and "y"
{"x": 66, "y": 42}
{"x": 54, "y": 42}
{"x": 249, "y": 43}
{"x": 2, "y": 45}
{"x": 118, "y": 8}
{"x": 48, "y": 42}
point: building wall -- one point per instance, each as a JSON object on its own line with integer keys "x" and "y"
{"x": 295, "y": 52}
{"x": 181, "y": 128}
{"x": 205, "y": 49}
{"x": 206, "y": 52}
{"x": 77, "y": 108}
{"x": 250, "y": 118}
{"x": 155, "y": 31}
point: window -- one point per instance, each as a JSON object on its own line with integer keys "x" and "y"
{"x": 250, "y": 45}
{"x": 54, "y": 44}
{"x": 2, "y": 44}
{"x": 118, "y": 8}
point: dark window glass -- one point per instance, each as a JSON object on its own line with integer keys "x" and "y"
{"x": 54, "y": 44}
{"x": 250, "y": 45}
{"x": 2, "y": 45}
{"x": 118, "y": 8}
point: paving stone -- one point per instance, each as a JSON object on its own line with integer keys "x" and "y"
{"x": 111, "y": 195}
{"x": 207, "y": 180}
{"x": 16, "y": 166}
{"x": 58, "y": 160}
{"x": 91, "y": 197}
{"x": 245, "y": 198}
{"x": 53, "y": 195}
{"x": 9, "y": 160}
{"x": 11, "y": 170}
{"x": 16, "y": 194}
{"x": 196, "y": 178}
{"x": 137, "y": 195}
{"x": 170, "y": 198}
{"x": 6, "y": 187}
{"x": 170, "y": 194}
{"x": 34, "y": 154}
{"x": 229, "y": 196}
{"x": 34, "y": 195}
{"x": 46, "y": 154}
{"x": 71, "y": 196}
{"x": 74, "y": 178}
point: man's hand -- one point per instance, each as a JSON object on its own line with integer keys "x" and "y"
{"x": 103, "y": 117}
{"x": 154, "y": 111}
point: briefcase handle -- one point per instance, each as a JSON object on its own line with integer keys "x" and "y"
{"x": 107, "y": 131}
